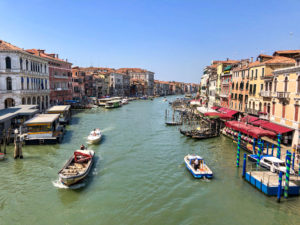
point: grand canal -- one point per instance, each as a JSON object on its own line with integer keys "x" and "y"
{"x": 138, "y": 178}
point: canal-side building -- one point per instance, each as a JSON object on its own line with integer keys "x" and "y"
{"x": 286, "y": 101}
{"x": 261, "y": 83}
{"x": 147, "y": 78}
{"x": 60, "y": 76}
{"x": 78, "y": 77}
{"x": 211, "y": 71}
{"x": 116, "y": 84}
{"x": 24, "y": 78}
{"x": 240, "y": 86}
{"x": 204, "y": 83}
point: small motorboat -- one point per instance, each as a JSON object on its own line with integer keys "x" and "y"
{"x": 95, "y": 136}
{"x": 124, "y": 101}
{"x": 165, "y": 100}
{"x": 2, "y": 156}
{"x": 202, "y": 169}
{"x": 77, "y": 167}
{"x": 173, "y": 123}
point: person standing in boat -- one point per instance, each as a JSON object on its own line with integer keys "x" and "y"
{"x": 196, "y": 164}
{"x": 82, "y": 147}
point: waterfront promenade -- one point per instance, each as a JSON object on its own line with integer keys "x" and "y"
{"x": 139, "y": 177}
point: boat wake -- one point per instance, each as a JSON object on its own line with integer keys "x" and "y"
{"x": 60, "y": 185}
{"x": 107, "y": 129}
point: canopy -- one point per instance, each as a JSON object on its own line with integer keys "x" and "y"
{"x": 228, "y": 67}
{"x": 255, "y": 132}
{"x": 249, "y": 119}
{"x": 259, "y": 122}
{"x": 215, "y": 107}
{"x": 231, "y": 112}
{"x": 278, "y": 129}
{"x": 221, "y": 115}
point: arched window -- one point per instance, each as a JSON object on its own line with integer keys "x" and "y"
{"x": 8, "y": 84}
{"x": 28, "y": 101}
{"x": 232, "y": 86}
{"x": 298, "y": 84}
{"x": 8, "y": 62}
{"x": 26, "y": 64}
{"x": 33, "y": 100}
{"x": 23, "y": 101}
{"x": 286, "y": 80}
{"x": 237, "y": 86}
{"x": 21, "y": 63}
{"x": 242, "y": 86}
{"x": 275, "y": 84}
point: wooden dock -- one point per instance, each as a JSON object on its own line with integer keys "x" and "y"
{"x": 267, "y": 182}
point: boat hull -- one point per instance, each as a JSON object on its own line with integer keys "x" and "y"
{"x": 208, "y": 174}
{"x": 2, "y": 156}
{"x": 94, "y": 140}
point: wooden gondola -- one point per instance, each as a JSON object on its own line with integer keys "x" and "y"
{"x": 204, "y": 136}
{"x": 173, "y": 123}
{"x": 77, "y": 167}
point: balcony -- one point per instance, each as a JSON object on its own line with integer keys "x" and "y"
{"x": 224, "y": 95}
{"x": 266, "y": 94}
{"x": 252, "y": 111}
{"x": 225, "y": 82}
{"x": 283, "y": 95}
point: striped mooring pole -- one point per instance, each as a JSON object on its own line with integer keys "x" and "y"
{"x": 272, "y": 149}
{"x": 262, "y": 147}
{"x": 244, "y": 164}
{"x": 238, "y": 150}
{"x": 258, "y": 152}
{"x": 279, "y": 187}
{"x": 287, "y": 174}
{"x": 254, "y": 146}
{"x": 293, "y": 161}
{"x": 278, "y": 146}
{"x": 267, "y": 148}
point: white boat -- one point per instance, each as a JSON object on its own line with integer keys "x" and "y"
{"x": 95, "y": 136}
{"x": 124, "y": 101}
{"x": 77, "y": 167}
{"x": 2, "y": 156}
{"x": 201, "y": 171}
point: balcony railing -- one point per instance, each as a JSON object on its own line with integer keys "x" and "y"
{"x": 224, "y": 95}
{"x": 283, "y": 95}
{"x": 267, "y": 94}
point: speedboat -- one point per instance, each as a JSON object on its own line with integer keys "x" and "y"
{"x": 77, "y": 167}
{"x": 202, "y": 170}
{"x": 95, "y": 136}
{"x": 2, "y": 155}
{"x": 124, "y": 101}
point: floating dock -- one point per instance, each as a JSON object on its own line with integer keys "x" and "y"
{"x": 267, "y": 182}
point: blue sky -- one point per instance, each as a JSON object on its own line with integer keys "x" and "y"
{"x": 173, "y": 38}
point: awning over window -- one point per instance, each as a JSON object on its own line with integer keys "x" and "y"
{"x": 228, "y": 68}
{"x": 259, "y": 122}
{"x": 278, "y": 129}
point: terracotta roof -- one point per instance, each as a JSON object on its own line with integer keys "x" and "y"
{"x": 286, "y": 52}
{"x": 280, "y": 60}
{"x": 5, "y": 46}
{"x": 43, "y": 54}
{"x": 135, "y": 70}
{"x": 265, "y": 56}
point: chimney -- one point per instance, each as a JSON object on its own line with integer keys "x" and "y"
{"x": 251, "y": 59}
{"x": 227, "y": 59}
{"x": 57, "y": 56}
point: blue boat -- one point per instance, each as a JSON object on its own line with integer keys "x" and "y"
{"x": 202, "y": 171}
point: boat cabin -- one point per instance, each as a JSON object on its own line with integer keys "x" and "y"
{"x": 64, "y": 112}
{"x": 113, "y": 104}
{"x": 44, "y": 129}
{"x": 103, "y": 101}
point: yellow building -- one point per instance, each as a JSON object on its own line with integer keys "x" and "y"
{"x": 260, "y": 85}
{"x": 286, "y": 101}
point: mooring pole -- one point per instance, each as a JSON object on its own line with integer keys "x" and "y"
{"x": 238, "y": 150}
{"x": 258, "y": 152}
{"x": 244, "y": 164}
{"x": 279, "y": 187}
{"x": 267, "y": 148}
{"x": 287, "y": 174}
{"x": 254, "y": 146}
{"x": 4, "y": 141}
{"x": 293, "y": 162}
{"x": 272, "y": 149}
{"x": 278, "y": 146}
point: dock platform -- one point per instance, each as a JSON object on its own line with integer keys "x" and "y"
{"x": 267, "y": 182}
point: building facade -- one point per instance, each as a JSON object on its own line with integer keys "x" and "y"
{"x": 24, "y": 78}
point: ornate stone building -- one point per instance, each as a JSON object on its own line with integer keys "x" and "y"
{"x": 24, "y": 78}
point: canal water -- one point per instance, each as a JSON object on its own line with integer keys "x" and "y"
{"x": 139, "y": 178}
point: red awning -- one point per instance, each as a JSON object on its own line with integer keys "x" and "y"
{"x": 249, "y": 119}
{"x": 221, "y": 115}
{"x": 215, "y": 107}
{"x": 258, "y": 132}
{"x": 278, "y": 129}
{"x": 259, "y": 122}
{"x": 231, "y": 112}
{"x": 221, "y": 109}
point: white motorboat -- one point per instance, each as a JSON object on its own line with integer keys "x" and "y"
{"x": 202, "y": 169}
{"x": 95, "y": 136}
{"x": 2, "y": 156}
{"x": 124, "y": 101}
